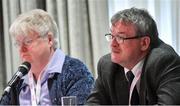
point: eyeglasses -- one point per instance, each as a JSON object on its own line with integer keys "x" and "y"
{"x": 27, "y": 42}
{"x": 119, "y": 39}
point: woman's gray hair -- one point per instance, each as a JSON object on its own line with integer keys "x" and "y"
{"x": 37, "y": 21}
{"x": 141, "y": 19}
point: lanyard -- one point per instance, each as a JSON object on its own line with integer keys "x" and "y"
{"x": 35, "y": 89}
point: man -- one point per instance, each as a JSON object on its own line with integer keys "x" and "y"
{"x": 141, "y": 68}
{"x": 53, "y": 74}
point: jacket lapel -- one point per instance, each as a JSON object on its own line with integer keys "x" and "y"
{"x": 143, "y": 85}
{"x": 142, "y": 94}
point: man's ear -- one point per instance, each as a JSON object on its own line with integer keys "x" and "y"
{"x": 145, "y": 43}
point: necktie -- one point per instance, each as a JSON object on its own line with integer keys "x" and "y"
{"x": 135, "y": 96}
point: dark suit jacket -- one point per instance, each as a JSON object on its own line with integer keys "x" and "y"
{"x": 159, "y": 84}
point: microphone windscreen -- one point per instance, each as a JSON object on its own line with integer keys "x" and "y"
{"x": 24, "y": 67}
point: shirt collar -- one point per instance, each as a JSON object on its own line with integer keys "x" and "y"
{"x": 56, "y": 63}
{"x": 138, "y": 67}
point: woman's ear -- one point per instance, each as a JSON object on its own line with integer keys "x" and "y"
{"x": 145, "y": 43}
{"x": 50, "y": 38}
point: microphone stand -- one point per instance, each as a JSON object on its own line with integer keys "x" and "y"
{"x": 22, "y": 70}
{"x": 5, "y": 96}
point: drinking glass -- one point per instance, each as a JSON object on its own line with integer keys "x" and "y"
{"x": 69, "y": 101}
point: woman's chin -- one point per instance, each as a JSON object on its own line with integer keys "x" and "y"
{"x": 26, "y": 59}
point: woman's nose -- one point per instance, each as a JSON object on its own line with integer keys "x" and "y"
{"x": 22, "y": 48}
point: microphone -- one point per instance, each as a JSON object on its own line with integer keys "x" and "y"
{"x": 23, "y": 69}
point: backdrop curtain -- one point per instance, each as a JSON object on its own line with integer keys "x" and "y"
{"x": 82, "y": 25}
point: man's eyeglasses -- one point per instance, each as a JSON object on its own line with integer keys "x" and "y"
{"x": 119, "y": 39}
{"x": 26, "y": 42}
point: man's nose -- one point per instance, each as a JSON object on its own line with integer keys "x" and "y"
{"x": 114, "y": 42}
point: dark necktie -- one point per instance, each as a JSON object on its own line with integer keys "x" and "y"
{"x": 135, "y": 96}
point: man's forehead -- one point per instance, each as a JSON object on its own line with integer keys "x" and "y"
{"x": 120, "y": 28}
